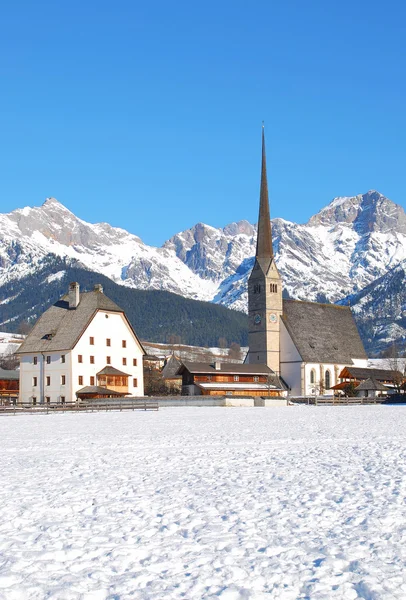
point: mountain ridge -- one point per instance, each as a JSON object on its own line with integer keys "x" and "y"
{"x": 344, "y": 248}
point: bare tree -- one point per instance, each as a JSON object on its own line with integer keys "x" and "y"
{"x": 222, "y": 342}
{"x": 9, "y": 361}
{"x": 235, "y": 351}
{"x": 396, "y": 364}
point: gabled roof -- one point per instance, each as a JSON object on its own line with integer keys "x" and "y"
{"x": 360, "y": 373}
{"x": 171, "y": 369}
{"x": 109, "y": 370}
{"x": 59, "y": 328}
{"x": 101, "y": 391}
{"x": 323, "y": 333}
{"x": 9, "y": 374}
{"x": 373, "y": 385}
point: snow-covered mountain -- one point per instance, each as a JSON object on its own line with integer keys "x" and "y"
{"x": 347, "y": 246}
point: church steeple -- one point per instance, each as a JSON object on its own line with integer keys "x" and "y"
{"x": 264, "y": 288}
{"x": 264, "y": 235}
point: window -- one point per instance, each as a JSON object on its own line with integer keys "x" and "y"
{"x": 134, "y": 362}
{"x": 108, "y": 342}
{"x": 92, "y": 360}
{"x": 62, "y": 358}
{"x": 34, "y": 400}
{"x": 34, "y": 381}
{"x": 312, "y": 376}
{"x": 48, "y": 360}
{"x": 63, "y": 399}
{"x": 108, "y": 360}
{"x": 135, "y": 383}
{"x": 48, "y": 399}
{"x": 35, "y": 360}
{"x": 80, "y": 358}
{"x": 124, "y": 361}
{"x": 273, "y": 288}
{"x": 63, "y": 379}
{"x": 256, "y": 378}
{"x": 91, "y": 380}
{"x": 208, "y": 377}
{"x": 48, "y": 380}
{"x": 91, "y": 341}
{"x": 327, "y": 379}
{"x": 124, "y": 343}
{"x": 257, "y": 288}
{"x": 236, "y": 378}
{"x": 80, "y": 379}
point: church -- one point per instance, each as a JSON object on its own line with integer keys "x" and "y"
{"x": 306, "y": 344}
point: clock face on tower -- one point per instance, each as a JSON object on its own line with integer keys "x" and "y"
{"x": 273, "y": 318}
{"x": 257, "y": 319}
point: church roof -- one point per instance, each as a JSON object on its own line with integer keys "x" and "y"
{"x": 323, "y": 333}
{"x": 59, "y": 328}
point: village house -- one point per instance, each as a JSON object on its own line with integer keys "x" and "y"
{"x": 81, "y": 347}
{"x": 222, "y": 379}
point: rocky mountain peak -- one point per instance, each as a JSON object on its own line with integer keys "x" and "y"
{"x": 365, "y": 212}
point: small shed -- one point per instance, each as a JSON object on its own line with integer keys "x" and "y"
{"x": 371, "y": 387}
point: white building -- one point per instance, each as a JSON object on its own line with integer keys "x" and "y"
{"x": 82, "y": 346}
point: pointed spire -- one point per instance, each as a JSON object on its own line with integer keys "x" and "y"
{"x": 264, "y": 234}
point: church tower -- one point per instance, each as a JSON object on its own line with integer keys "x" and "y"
{"x": 264, "y": 289}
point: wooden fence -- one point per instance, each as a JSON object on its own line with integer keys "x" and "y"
{"x": 96, "y": 406}
{"x": 336, "y": 400}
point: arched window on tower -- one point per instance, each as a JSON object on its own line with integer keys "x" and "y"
{"x": 327, "y": 379}
{"x": 273, "y": 288}
{"x": 312, "y": 376}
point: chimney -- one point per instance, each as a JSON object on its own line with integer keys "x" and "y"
{"x": 73, "y": 294}
{"x": 217, "y": 365}
{"x": 98, "y": 288}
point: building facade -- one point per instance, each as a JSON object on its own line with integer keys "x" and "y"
{"x": 71, "y": 346}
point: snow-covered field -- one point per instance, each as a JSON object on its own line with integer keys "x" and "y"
{"x": 287, "y": 503}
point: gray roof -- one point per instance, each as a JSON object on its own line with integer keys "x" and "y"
{"x": 171, "y": 369}
{"x": 372, "y": 384}
{"x": 95, "y": 389}
{"x": 9, "y": 374}
{"x": 109, "y": 370}
{"x": 323, "y": 333}
{"x": 378, "y": 374}
{"x": 233, "y": 369}
{"x": 230, "y": 368}
{"x": 59, "y": 328}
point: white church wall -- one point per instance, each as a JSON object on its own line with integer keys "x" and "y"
{"x": 291, "y": 362}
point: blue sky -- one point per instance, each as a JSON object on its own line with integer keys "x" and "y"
{"x": 148, "y": 114}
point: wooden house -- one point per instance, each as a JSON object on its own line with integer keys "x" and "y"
{"x": 230, "y": 379}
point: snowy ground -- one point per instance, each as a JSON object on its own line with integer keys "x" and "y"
{"x": 282, "y": 503}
